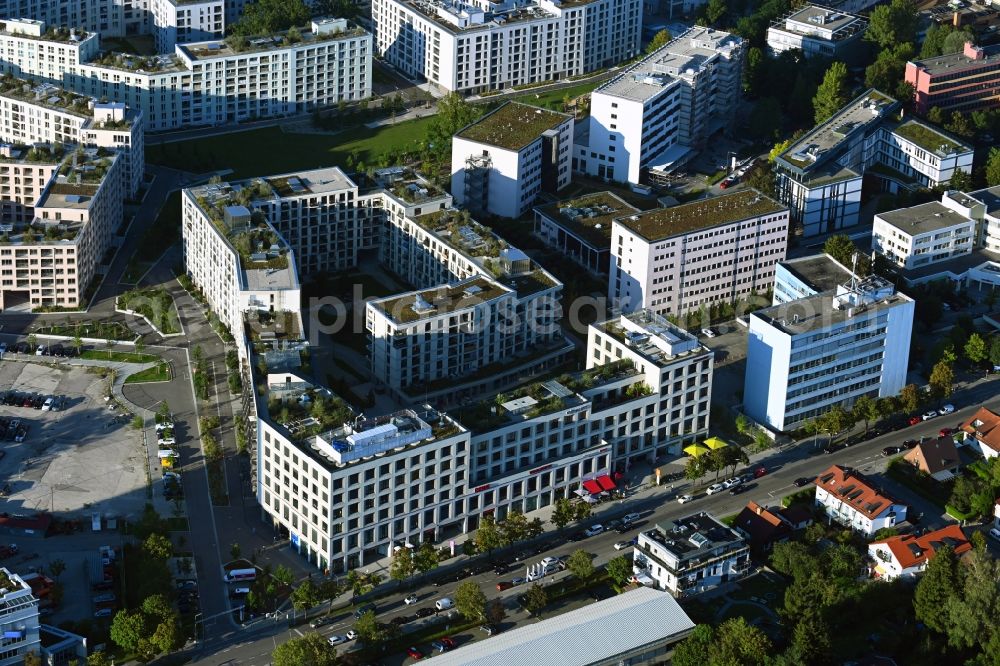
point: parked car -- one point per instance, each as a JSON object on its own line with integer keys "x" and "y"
{"x": 444, "y": 644}
{"x": 684, "y": 499}
{"x": 412, "y": 599}
{"x": 891, "y": 450}
{"x": 336, "y": 640}
{"x": 622, "y": 545}
{"x": 364, "y": 609}
{"x": 320, "y": 622}
{"x": 995, "y": 533}
{"x": 715, "y": 488}
{"x": 501, "y": 568}
{"x": 594, "y": 530}
{"x": 444, "y": 604}
{"x": 927, "y": 416}
{"x": 424, "y": 612}
{"x": 414, "y": 653}
{"x": 734, "y": 481}
{"x": 504, "y": 585}
{"x": 104, "y": 598}
{"x": 546, "y": 561}
{"x": 948, "y": 409}
{"x": 351, "y": 635}
{"x": 759, "y": 472}
{"x": 909, "y": 443}
{"x": 803, "y": 481}
{"x": 630, "y": 517}
{"x": 914, "y": 420}
{"x": 945, "y": 432}
{"x": 104, "y": 612}
{"x": 736, "y": 490}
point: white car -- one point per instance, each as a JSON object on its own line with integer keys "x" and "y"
{"x": 715, "y": 488}
{"x": 336, "y": 640}
{"x": 948, "y": 409}
{"x": 550, "y": 560}
{"x": 735, "y": 481}
{"x": 622, "y": 545}
{"x": 351, "y": 635}
{"x": 929, "y": 415}
{"x": 995, "y": 533}
{"x": 412, "y": 599}
{"x": 164, "y": 426}
{"x": 630, "y": 518}
{"x": 684, "y": 499}
{"x": 708, "y": 333}
{"x": 594, "y": 530}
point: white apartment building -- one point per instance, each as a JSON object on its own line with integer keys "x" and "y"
{"x": 18, "y": 619}
{"x": 653, "y": 114}
{"x": 61, "y": 213}
{"x": 851, "y": 500}
{"x": 504, "y": 160}
{"x": 202, "y": 83}
{"x": 473, "y": 46}
{"x": 32, "y": 114}
{"x": 807, "y": 355}
{"x": 692, "y": 555}
{"x": 817, "y": 31}
{"x": 180, "y": 21}
{"x": 111, "y": 18}
{"x": 677, "y": 260}
{"x": 819, "y": 176}
{"x": 923, "y": 234}
{"x": 237, "y": 258}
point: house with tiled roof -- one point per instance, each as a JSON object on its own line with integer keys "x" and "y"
{"x": 983, "y": 431}
{"x": 935, "y": 457}
{"x": 850, "y": 499}
{"x": 907, "y": 555}
{"x": 761, "y": 527}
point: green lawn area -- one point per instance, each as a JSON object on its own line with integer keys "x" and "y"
{"x": 122, "y": 357}
{"x": 554, "y": 99}
{"x": 271, "y": 151}
{"x": 748, "y": 612}
{"x": 158, "y": 373}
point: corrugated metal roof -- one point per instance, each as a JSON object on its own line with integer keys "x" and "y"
{"x": 598, "y": 631}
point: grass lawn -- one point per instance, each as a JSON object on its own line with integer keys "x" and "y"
{"x": 554, "y": 99}
{"x": 122, "y": 357}
{"x": 748, "y": 612}
{"x": 761, "y": 585}
{"x": 271, "y": 151}
{"x": 158, "y": 373}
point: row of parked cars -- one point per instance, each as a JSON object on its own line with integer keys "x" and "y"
{"x": 13, "y": 430}
{"x": 40, "y": 350}
{"x": 32, "y": 401}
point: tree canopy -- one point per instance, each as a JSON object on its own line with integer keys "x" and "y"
{"x": 831, "y": 96}
{"x": 895, "y": 23}
{"x": 660, "y": 39}
{"x": 309, "y": 650}
{"x": 266, "y": 17}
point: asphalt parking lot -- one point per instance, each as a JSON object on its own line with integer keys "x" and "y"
{"x": 76, "y": 461}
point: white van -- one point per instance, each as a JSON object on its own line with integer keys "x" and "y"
{"x": 241, "y": 591}
{"x": 444, "y": 604}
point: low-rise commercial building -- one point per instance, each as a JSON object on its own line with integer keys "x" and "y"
{"x": 964, "y": 81}
{"x": 580, "y": 228}
{"x": 848, "y": 498}
{"x": 807, "y": 355}
{"x": 680, "y": 259}
{"x": 923, "y": 234}
{"x": 907, "y": 556}
{"x": 474, "y": 46}
{"x": 201, "y": 83}
{"x": 502, "y": 162}
{"x": 696, "y": 553}
{"x": 818, "y": 31}
{"x": 638, "y": 627}
{"x": 18, "y": 619}
{"x": 919, "y": 153}
{"x": 654, "y": 114}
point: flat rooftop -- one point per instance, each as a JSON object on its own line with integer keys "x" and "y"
{"x": 930, "y": 138}
{"x": 924, "y": 218}
{"x": 817, "y": 18}
{"x": 596, "y": 633}
{"x": 813, "y": 313}
{"x": 989, "y": 197}
{"x": 692, "y": 536}
{"x": 661, "y": 223}
{"x": 589, "y": 217}
{"x": 315, "y": 181}
{"x": 955, "y": 267}
{"x": 854, "y": 119}
{"x": 416, "y": 305}
{"x": 457, "y": 17}
{"x": 821, "y": 272}
{"x": 265, "y": 279}
{"x": 217, "y": 48}
{"x": 513, "y": 126}
{"x": 651, "y": 336}
{"x": 694, "y": 49}
{"x": 954, "y": 62}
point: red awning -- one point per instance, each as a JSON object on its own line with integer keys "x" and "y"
{"x": 605, "y": 482}
{"x": 592, "y": 487}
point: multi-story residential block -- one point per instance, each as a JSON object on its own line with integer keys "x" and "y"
{"x": 695, "y": 554}
{"x": 180, "y": 21}
{"x": 111, "y": 18}
{"x": 680, "y": 259}
{"x": 653, "y": 114}
{"x": 962, "y": 82}
{"x": 906, "y": 556}
{"x": 923, "y": 234}
{"x": 807, "y": 276}
{"x": 202, "y": 83}
{"x": 580, "y": 228}
{"x": 807, "y": 355}
{"x": 504, "y": 160}
{"x": 819, "y": 176}
{"x": 32, "y": 114}
{"x": 817, "y": 31}
{"x": 238, "y": 259}
{"x": 850, "y": 499}
{"x": 18, "y": 619}
{"x": 477, "y": 46}
{"x": 61, "y": 212}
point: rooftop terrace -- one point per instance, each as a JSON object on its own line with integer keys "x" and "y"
{"x": 315, "y": 181}
{"x": 694, "y": 536}
{"x": 416, "y": 305}
{"x": 370, "y": 437}
{"x": 237, "y": 45}
{"x": 651, "y": 336}
{"x": 513, "y": 126}
{"x": 930, "y": 138}
{"x": 46, "y": 95}
{"x": 661, "y": 223}
{"x": 589, "y": 217}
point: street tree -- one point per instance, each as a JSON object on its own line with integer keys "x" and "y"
{"x": 582, "y": 511}
{"x": 910, "y": 398}
{"x": 488, "y": 537}
{"x": 535, "y": 599}
{"x": 32, "y": 342}
{"x": 402, "y": 566}
{"x": 835, "y": 421}
{"x": 619, "y": 569}
{"x": 514, "y": 528}
{"x": 975, "y": 349}
{"x": 831, "y": 96}
{"x": 313, "y": 649}
{"x": 99, "y": 658}
{"x": 158, "y": 546}
{"x": 535, "y": 528}
{"x": 865, "y": 409}
{"x": 426, "y": 558}
{"x": 563, "y": 513}
{"x": 660, "y": 39}
{"x": 580, "y": 564}
{"x": 453, "y": 114}
{"x": 167, "y": 636}
{"x": 370, "y": 632}
{"x": 283, "y": 575}
{"x": 305, "y": 595}
{"x": 941, "y": 380}
{"x": 495, "y": 612}
{"x": 470, "y": 601}
{"x": 127, "y": 629}
{"x": 694, "y": 469}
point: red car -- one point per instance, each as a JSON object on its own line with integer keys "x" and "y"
{"x": 944, "y": 432}
{"x": 448, "y": 642}
{"x": 504, "y": 585}
{"x": 759, "y": 472}
{"x": 914, "y": 420}
{"x": 414, "y": 653}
